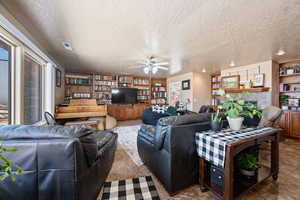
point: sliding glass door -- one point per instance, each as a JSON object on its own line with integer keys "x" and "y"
{"x": 33, "y": 104}
{"x": 5, "y": 84}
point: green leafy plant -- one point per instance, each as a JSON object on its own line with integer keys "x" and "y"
{"x": 7, "y": 166}
{"x": 215, "y": 117}
{"x": 233, "y": 106}
{"x": 283, "y": 99}
{"x": 248, "y": 161}
{"x": 252, "y": 110}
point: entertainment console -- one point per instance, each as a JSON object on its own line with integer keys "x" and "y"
{"x": 124, "y": 112}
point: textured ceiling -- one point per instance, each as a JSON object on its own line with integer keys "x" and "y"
{"x": 110, "y": 35}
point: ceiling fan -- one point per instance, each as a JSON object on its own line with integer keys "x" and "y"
{"x": 151, "y": 65}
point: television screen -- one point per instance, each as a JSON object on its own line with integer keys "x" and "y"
{"x": 124, "y": 96}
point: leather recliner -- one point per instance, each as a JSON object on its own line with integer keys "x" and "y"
{"x": 169, "y": 150}
{"x": 61, "y": 163}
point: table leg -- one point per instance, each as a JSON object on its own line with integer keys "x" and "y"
{"x": 228, "y": 175}
{"x": 202, "y": 174}
{"x": 275, "y": 157}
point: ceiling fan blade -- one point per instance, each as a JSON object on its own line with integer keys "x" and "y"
{"x": 135, "y": 67}
{"x": 161, "y": 63}
{"x": 163, "y": 68}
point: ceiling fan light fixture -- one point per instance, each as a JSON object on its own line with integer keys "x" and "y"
{"x": 154, "y": 70}
{"x": 146, "y": 70}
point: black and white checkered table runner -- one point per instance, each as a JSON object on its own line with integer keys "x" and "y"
{"x": 212, "y": 145}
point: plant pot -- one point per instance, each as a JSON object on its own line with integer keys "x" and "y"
{"x": 249, "y": 173}
{"x": 235, "y": 123}
{"x": 284, "y": 107}
{"x": 251, "y": 122}
{"x": 216, "y": 126}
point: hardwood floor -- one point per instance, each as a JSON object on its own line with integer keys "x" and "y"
{"x": 286, "y": 188}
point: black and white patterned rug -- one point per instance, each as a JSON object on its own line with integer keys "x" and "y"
{"x": 141, "y": 188}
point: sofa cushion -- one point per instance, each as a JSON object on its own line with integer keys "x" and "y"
{"x": 151, "y": 118}
{"x": 147, "y": 132}
{"x": 270, "y": 115}
{"x": 93, "y": 144}
{"x": 185, "y": 119}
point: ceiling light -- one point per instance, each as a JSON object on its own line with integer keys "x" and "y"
{"x": 280, "y": 52}
{"x": 203, "y": 70}
{"x": 154, "y": 70}
{"x": 146, "y": 70}
{"x": 232, "y": 64}
{"x": 67, "y": 46}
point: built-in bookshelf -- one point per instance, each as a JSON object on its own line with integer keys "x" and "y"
{"x": 215, "y": 86}
{"x": 289, "y": 97}
{"x": 99, "y": 86}
{"x": 143, "y": 85}
{"x": 159, "y": 91}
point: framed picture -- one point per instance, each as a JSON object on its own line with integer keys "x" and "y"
{"x": 259, "y": 80}
{"x": 230, "y": 81}
{"x": 293, "y": 102}
{"x": 58, "y": 78}
{"x": 186, "y": 85}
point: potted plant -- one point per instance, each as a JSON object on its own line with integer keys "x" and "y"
{"x": 252, "y": 114}
{"x": 7, "y": 166}
{"x": 234, "y": 110}
{"x": 284, "y": 102}
{"x": 248, "y": 164}
{"x": 216, "y": 121}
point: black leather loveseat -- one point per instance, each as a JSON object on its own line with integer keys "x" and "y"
{"x": 61, "y": 163}
{"x": 169, "y": 150}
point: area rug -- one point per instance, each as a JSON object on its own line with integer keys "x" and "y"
{"x": 127, "y": 137}
{"x": 141, "y": 188}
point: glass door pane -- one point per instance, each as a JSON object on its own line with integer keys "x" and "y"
{"x": 32, "y": 91}
{"x": 5, "y": 57}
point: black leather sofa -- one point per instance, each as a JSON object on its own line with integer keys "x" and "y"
{"x": 61, "y": 163}
{"x": 169, "y": 150}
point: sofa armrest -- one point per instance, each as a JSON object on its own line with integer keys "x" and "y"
{"x": 48, "y": 164}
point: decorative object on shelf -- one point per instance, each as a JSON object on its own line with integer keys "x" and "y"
{"x": 282, "y": 70}
{"x": 230, "y": 81}
{"x": 293, "y": 102}
{"x": 258, "y": 80}
{"x": 216, "y": 121}
{"x": 290, "y": 71}
{"x": 283, "y": 99}
{"x": 57, "y": 77}
{"x": 186, "y": 85}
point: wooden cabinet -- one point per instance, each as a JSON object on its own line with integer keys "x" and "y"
{"x": 294, "y": 127}
{"x": 124, "y": 112}
{"x": 290, "y": 123}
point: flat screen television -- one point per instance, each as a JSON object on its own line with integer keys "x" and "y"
{"x": 124, "y": 96}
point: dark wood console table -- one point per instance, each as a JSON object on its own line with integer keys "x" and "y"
{"x": 232, "y": 149}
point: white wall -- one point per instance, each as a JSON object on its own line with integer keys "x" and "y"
{"x": 199, "y": 94}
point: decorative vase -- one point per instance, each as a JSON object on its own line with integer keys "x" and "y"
{"x": 251, "y": 122}
{"x": 216, "y": 126}
{"x": 235, "y": 123}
